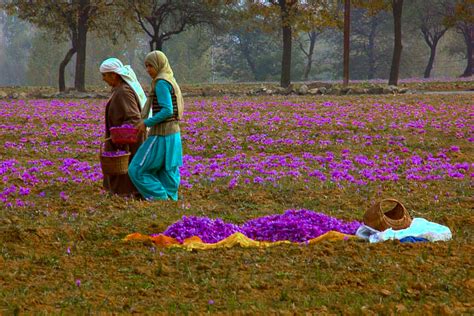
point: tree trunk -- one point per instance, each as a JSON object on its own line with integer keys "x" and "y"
{"x": 307, "y": 69}
{"x": 347, "y": 35}
{"x": 285, "y": 79}
{"x": 371, "y": 48}
{"x": 62, "y": 67}
{"x": 429, "y": 66}
{"x": 131, "y": 55}
{"x": 309, "y": 56}
{"x": 80, "y": 76}
{"x": 156, "y": 43}
{"x": 159, "y": 44}
{"x": 397, "y": 48}
{"x": 431, "y": 38}
{"x": 244, "y": 49}
{"x": 286, "y": 58}
{"x": 468, "y": 33}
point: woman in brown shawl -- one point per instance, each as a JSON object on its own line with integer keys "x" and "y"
{"x": 123, "y": 107}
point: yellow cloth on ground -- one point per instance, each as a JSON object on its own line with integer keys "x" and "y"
{"x": 236, "y": 239}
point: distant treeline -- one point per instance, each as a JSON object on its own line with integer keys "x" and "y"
{"x": 231, "y": 41}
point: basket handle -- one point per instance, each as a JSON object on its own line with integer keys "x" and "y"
{"x": 391, "y": 200}
{"x": 395, "y": 201}
{"x": 102, "y": 143}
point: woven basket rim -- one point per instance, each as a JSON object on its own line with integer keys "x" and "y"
{"x": 113, "y": 165}
{"x": 119, "y": 130}
{"x": 376, "y": 218}
{"x": 115, "y": 156}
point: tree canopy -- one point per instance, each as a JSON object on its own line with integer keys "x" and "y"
{"x": 234, "y": 40}
{"x": 71, "y": 20}
{"x": 161, "y": 20}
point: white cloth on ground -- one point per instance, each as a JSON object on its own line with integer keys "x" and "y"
{"x": 365, "y": 232}
{"x": 419, "y": 227}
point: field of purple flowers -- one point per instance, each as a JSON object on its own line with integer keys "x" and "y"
{"x": 60, "y": 234}
{"x": 236, "y": 143}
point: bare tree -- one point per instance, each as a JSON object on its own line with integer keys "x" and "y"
{"x": 375, "y": 6}
{"x": 430, "y": 23}
{"x": 365, "y": 33}
{"x": 460, "y": 15}
{"x": 161, "y": 20}
{"x": 71, "y": 19}
{"x": 374, "y": 23}
{"x": 467, "y": 30}
{"x": 307, "y": 47}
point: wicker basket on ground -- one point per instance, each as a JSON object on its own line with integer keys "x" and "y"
{"x": 397, "y": 218}
{"x": 114, "y": 164}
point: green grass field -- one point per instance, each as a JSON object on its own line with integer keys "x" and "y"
{"x": 61, "y": 236}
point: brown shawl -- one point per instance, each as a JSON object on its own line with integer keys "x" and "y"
{"x": 122, "y": 108}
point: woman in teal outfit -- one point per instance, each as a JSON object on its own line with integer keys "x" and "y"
{"x": 154, "y": 169}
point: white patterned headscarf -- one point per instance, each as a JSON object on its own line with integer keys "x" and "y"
{"x": 127, "y": 74}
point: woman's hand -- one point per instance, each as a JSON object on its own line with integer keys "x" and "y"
{"x": 141, "y": 127}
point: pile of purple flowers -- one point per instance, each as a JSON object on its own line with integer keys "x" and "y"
{"x": 209, "y": 230}
{"x": 293, "y": 225}
{"x": 123, "y": 126}
{"x": 114, "y": 153}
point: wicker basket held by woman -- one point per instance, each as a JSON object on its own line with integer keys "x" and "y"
{"x": 397, "y": 218}
{"x": 115, "y": 163}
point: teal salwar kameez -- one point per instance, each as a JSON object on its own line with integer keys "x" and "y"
{"x": 154, "y": 169}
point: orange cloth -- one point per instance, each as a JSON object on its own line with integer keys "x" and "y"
{"x": 236, "y": 239}
{"x": 159, "y": 240}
